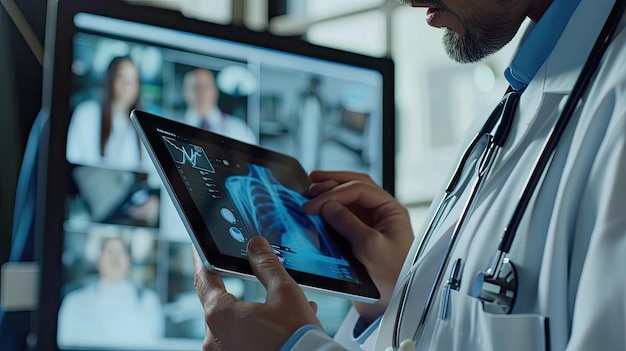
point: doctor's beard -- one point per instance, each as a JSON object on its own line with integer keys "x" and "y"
{"x": 481, "y": 38}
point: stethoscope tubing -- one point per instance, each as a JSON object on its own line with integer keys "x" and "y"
{"x": 483, "y": 166}
{"x": 505, "y": 108}
{"x": 488, "y": 126}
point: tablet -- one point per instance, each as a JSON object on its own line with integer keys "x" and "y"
{"x": 227, "y": 192}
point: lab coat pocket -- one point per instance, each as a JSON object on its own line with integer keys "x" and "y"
{"x": 469, "y": 327}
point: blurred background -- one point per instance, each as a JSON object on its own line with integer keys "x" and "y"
{"x": 436, "y": 98}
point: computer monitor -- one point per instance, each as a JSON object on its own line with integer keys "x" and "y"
{"x": 116, "y": 261}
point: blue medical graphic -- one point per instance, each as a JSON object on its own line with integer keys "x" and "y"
{"x": 236, "y": 234}
{"x": 275, "y": 212}
{"x": 228, "y": 215}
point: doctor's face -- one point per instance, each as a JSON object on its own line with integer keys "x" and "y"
{"x": 474, "y": 29}
{"x": 200, "y": 91}
{"x": 126, "y": 84}
{"x": 114, "y": 261}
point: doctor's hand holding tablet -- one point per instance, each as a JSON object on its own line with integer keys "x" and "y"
{"x": 236, "y": 325}
{"x": 380, "y": 234}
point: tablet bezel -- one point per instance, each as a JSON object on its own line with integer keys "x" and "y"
{"x": 151, "y": 128}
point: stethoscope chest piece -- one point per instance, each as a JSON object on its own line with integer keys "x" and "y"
{"x": 498, "y": 288}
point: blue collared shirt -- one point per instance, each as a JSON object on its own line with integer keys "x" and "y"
{"x": 533, "y": 52}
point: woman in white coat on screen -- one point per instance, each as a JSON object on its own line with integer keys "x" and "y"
{"x": 100, "y": 132}
{"x": 112, "y": 310}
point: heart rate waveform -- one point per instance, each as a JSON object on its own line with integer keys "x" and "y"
{"x": 183, "y": 152}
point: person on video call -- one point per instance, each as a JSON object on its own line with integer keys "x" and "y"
{"x": 570, "y": 248}
{"x": 311, "y": 113}
{"x": 112, "y": 310}
{"x": 101, "y": 133}
{"x": 201, "y": 93}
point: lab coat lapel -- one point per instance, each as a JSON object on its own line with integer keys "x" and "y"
{"x": 572, "y": 50}
{"x": 546, "y": 95}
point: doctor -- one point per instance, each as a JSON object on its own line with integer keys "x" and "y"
{"x": 570, "y": 248}
{"x": 201, "y": 94}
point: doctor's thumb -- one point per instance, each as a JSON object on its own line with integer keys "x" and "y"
{"x": 266, "y": 265}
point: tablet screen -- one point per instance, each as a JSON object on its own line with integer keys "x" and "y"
{"x": 239, "y": 199}
{"x": 228, "y": 191}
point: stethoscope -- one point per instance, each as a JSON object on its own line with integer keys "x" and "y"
{"x": 497, "y": 284}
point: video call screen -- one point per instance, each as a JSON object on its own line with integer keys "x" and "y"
{"x": 127, "y": 266}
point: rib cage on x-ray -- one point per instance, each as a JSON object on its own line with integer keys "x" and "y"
{"x": 275, "y": 212}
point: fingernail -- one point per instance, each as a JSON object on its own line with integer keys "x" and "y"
{"x": 256, "y": 245}
{"x": 332, "y": 207}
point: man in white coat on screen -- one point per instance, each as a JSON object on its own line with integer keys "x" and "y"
{"x": 201, "y": 93}
{"x": 570, "y": 247}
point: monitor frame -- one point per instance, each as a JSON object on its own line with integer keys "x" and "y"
{"x": 53, "y": 169}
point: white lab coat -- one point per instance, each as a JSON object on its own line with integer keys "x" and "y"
{"x": 106, "y": 314}
{"x": 223, "y": 124}
{"x": 570, "y": 251}
{"x": 122, "y": 150}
